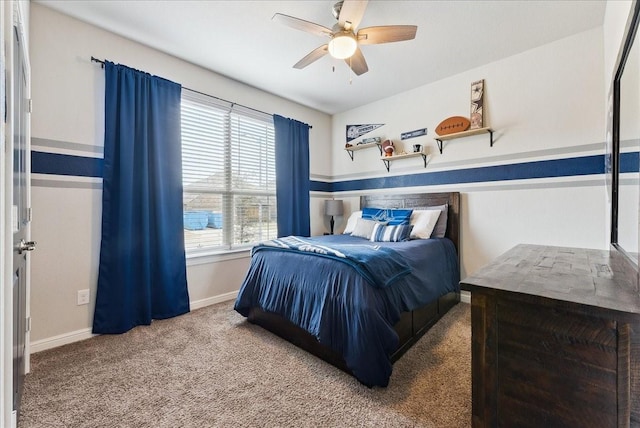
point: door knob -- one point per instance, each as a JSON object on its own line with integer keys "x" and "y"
{"x": 26, "y": 246}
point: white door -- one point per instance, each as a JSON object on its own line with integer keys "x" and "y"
{"x": 20, "y": 214}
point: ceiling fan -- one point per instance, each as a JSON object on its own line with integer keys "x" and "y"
{"x": 344, "y": 40}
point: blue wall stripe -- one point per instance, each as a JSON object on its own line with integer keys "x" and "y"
{"x": 321, "y": 186}
{"x": 630, "y": 162}
{"x": 59, "y": 164}
{"x": 586, "y": 165}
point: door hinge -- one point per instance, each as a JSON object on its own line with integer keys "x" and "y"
{"x": 28, "y": 326}
{"x": 29, "y": 214}
{"x": 30, "y": 105}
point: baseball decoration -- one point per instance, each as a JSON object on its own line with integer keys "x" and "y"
{"x": 477, "y": 98}
{"x": 388, "y": 148}
{"x": 453, "y": 124}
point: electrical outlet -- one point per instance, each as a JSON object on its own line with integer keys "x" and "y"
{"x": 83, "y": 297}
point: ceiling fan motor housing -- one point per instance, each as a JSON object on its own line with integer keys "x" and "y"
{"x": 336, "y": 8}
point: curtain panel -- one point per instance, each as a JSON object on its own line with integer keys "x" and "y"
{"x": 142, "y": 272}
{"x": 292, "y": 176}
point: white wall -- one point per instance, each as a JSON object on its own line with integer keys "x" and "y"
{"x": 615, "y": 20}
{"x": 546, "y": 103}
{"x": 67, "y": 118}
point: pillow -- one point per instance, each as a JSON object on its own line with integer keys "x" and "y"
{"x": 441, "y": 226}
{"x": 363, "y": 228}
{"x": 391, "y": 217}
{"x": 423, "y": 221}
{"x": 351, "y": 222}
{"x": 382, "y": 233}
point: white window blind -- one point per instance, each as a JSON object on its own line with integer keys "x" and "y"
{"x": 228, "y": 170}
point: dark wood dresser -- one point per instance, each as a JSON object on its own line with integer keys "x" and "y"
{"x": 555, "y": 340}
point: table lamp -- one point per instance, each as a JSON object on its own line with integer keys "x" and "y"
{"x": 332, "y": 207}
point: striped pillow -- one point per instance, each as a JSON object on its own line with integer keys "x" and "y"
{"x": 382, "y": 233}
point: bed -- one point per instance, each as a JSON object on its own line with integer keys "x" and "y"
{"x": 361, "y": 326}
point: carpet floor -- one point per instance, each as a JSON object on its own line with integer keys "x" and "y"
{"x": 211, "y": 368}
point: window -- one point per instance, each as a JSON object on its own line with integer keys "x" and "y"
{"x": 228, "y": 174}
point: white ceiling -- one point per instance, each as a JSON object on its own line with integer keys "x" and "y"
{"x": 238, "y": 39}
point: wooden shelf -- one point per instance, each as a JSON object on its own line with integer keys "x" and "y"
{"x": 463, "y": 134}
{"x": 387, "y": 159}
{"x": 357, "y": 147}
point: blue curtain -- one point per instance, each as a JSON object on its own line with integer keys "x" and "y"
{"x": 292, "y": 176}
{"x": 142, "y": 273}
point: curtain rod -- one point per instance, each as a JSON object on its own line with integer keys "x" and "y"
{"x": 101, "y": 62}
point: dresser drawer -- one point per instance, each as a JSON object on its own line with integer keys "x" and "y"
{"x": 554, "y": 368}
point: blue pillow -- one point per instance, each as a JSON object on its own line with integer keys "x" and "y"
{"x": 382, "y": 233}
{"x": 390, "y": 217}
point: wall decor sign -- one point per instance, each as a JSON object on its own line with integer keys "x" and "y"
{"x": 355, "y": 131}
{"x": 477, "y": 98}
{"x": 371, "y": 140}
{"x": 413, "y": 134}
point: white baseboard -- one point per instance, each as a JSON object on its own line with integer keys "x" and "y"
{"x": 61, "y": 339}
{"x": 78, "y": 335}
{"x": 197, "y": 304}
{"x": 465, "y": 297}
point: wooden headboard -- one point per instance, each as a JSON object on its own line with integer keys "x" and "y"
{"x": 422, "y": 200}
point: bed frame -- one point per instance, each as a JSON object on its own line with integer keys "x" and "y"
{"x": 412, "y": 325}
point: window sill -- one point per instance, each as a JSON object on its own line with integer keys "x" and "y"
{"x": 203, "y": 258}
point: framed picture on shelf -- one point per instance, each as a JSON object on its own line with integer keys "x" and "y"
{"x": 477, "y": 98}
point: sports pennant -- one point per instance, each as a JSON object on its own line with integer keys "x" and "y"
{"x": 356, "y": 131}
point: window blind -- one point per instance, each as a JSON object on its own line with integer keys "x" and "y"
{"x": 228, "y": 170}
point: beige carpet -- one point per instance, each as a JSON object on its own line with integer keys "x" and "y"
{"x": 211, "y": 368}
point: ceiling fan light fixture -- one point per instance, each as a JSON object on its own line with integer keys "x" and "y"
{"x": 343, "y": 45}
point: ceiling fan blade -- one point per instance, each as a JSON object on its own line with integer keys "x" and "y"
{"x": 351, "y": 13}
{"x": 313, "y": 56}
{"x": 357, "y": 63}
{"x": 301, "y": 24}
{"x": 386, "y": 34}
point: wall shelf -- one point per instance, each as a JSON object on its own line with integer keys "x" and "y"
{"x": 387, "y": 159}
{"x": 463, "y": 134}
{"x": 357, "y": 147}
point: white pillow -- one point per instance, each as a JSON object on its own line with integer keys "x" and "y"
{"x": 351, "y": 222}
{"x": 364, "y": 228}
{"x": 423, "y": 223}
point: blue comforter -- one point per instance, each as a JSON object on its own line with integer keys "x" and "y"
{"x": 381, "y": 266}
{"x": 340, "y": 307}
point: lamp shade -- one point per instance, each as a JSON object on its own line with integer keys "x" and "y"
{"x": 333, "y": 207}
{"x": 343, "y": 45}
